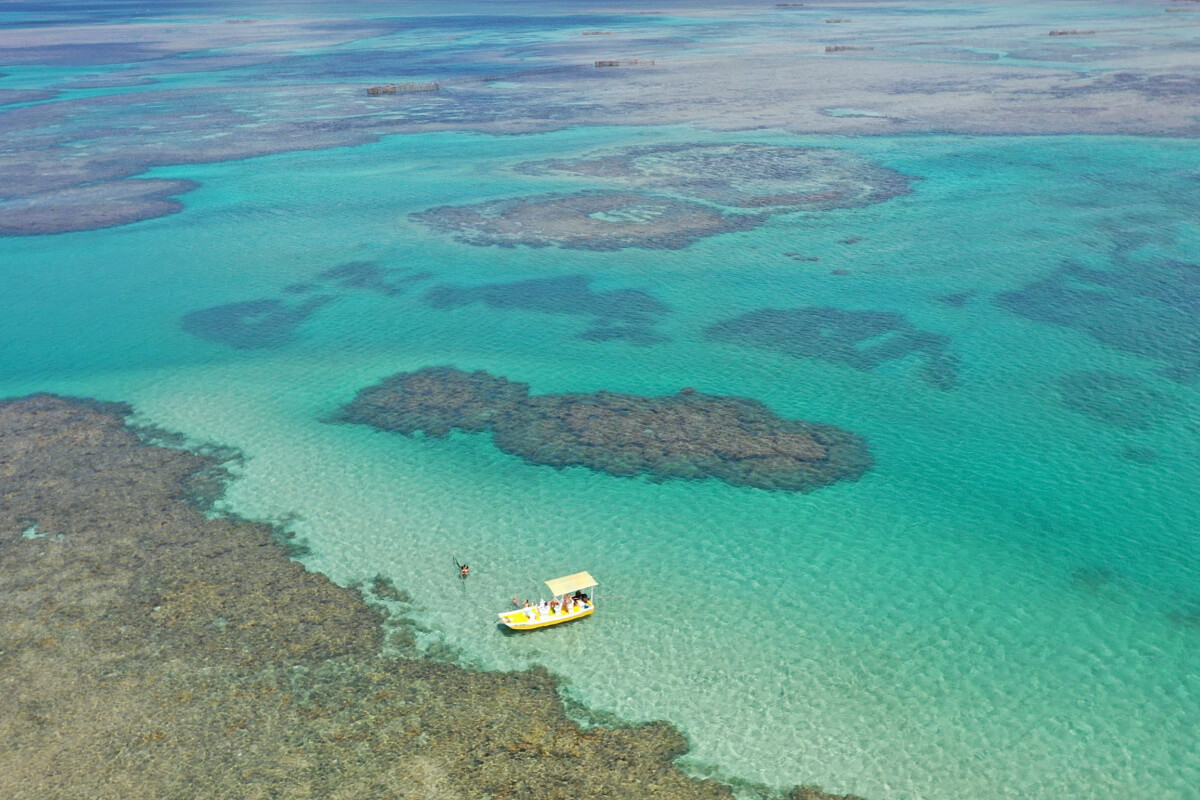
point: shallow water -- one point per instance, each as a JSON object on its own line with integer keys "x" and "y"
{"x": 1006, "y": 605}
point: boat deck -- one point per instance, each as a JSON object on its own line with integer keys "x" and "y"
{"x": 530, "y": 618}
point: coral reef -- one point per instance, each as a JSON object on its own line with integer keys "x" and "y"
{"x": 253, "y": 324}
{"x": 742, "y": 175}
{"x": 367, "y": 275}
{"x": 666, "y": 196}
{"x": 1114, "y": 399}
{"x": 1168, "y": 86}
{"x": 14, "y": 96}
{"x": 1150, "y": 308}
{"x": 148, "y": 650}
{"x": 586, "y": 221}
{"x": 859, "y": 339}
{"x": 435, "y": 400}
{"x": 292, "y": 83}
{"x": 815, "y": 793}
{"x": 627, "y": 314}
{"x": 89, "y": 206}
{"x": 270, "y": 322}
{"x": 687, "y": 435}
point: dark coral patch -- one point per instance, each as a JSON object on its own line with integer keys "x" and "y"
{"x": 956, "y": 300}
{"x": 367, "y": 275}
{"x": 861, "y": 340}
{"x": 689, "y": 435}
{"x": 1114, "y": 399}
{"x": 254, "y": 324}
{"x": 435, "y": 401}
{"x": 1186, "y": 615}
{"x": 1150, "y": 309}
{"x": 586, "y": 221}
{"x": 1139, "y": 455}
{"x": 626, "y": 314}
{"x": 1093, "y": 578}
{"x": 1170, "y": 86}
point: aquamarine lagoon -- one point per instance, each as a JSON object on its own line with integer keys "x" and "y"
{"x": 1006, "y": 604}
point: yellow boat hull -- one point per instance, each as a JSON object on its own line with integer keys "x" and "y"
{"x": 528, "y": 619}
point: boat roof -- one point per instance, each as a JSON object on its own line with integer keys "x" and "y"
{"x": 571, "y": 583}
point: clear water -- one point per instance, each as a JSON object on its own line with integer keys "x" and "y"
{"x": 1005, "y": 607}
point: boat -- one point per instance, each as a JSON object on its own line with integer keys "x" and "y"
{"x": 533, "y": 617}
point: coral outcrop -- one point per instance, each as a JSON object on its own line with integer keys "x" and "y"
{"x": 688, "y": 435}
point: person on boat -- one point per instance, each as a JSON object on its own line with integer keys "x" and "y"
{"x": 464, "y": 571}
{"x": 554, "y": 606}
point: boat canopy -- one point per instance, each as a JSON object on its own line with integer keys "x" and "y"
{"x": 571, "y": 583}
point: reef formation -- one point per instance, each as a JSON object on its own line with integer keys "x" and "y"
{"x": 253, "y": 324}
{"x": 372, "y": 277}
{"x": 149, "y": 650}
{"x": 296, "y": 83}
{"x": 586, "y": 221}
{"x": 688, "y": 435}
{"x": 1114, "y": 399}
{"x": 862, "y": 340}
{"x": 741, "y": 175}
{"x": 271, "y": 322}
{"x": 669, "y": 196}
{"x": 626, "y": 314}
{"x": 1150, "y": 308}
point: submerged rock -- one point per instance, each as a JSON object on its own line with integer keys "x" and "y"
{"x": 686, "y": 435}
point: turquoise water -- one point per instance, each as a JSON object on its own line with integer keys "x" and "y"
{"x": 1006, "y": 606}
